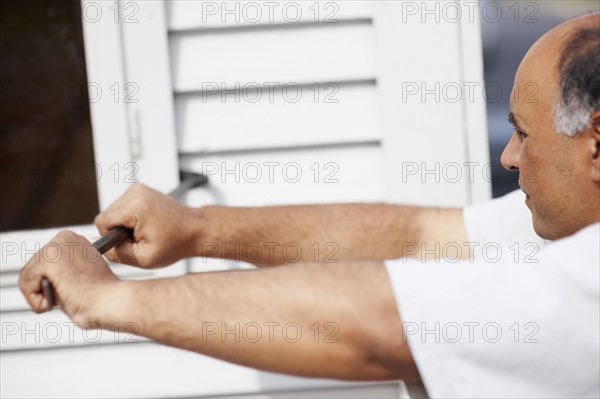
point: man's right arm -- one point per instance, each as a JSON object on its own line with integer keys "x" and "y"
{"x": 324, "y": 233}
{"x": 165, "y": 231}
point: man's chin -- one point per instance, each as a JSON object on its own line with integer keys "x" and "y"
{"x": 541, "y": 228}
{"x": 549, "y": 231}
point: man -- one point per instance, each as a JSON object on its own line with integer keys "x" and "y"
{"x": 524, "y": 323}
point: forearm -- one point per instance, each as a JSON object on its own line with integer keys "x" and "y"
{"x": 331, "y": 321}
{"x": 321, "y": 233}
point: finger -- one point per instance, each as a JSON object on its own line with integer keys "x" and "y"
{"x": 37, "y": 302}
{"x": 108, "y": 220}
{"x": 117, "y": 213}
{"x": 126, "y": 253}
{"x": 30, "y": 284}
{"x": 129, "y": 253}
{"x": 37, "y": 268}
{"x": 114, "y": 217}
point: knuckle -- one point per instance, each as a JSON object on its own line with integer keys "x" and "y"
{"x": 65, "y": 235}
{"x": 143, "y": 205}
{"x": 99, "y": 219}
{"x": 36, "y": 309}
{"x": 23, "y": 278}
{"x": 137, "y": 187}
{"x": 62, "y": 235}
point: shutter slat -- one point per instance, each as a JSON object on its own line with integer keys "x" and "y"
{"x": 266, "y": 118}
{"x": 27, "y": 331}
{"x": 316, "y": 54}
{"x": 186, "y": 14}
{"x": 345, "y": 174}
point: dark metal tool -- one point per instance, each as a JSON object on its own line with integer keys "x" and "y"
{"x": 117, "y": 235}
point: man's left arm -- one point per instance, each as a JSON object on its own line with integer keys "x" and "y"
{"x": 320, "y": 320}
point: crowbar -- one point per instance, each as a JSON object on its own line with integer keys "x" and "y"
{"x": 117, "y": 235}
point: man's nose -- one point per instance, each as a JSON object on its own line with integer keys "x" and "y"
{"x": 510, "y": 155}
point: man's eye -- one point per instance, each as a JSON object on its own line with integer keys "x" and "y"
{"x": 521, "y": 134}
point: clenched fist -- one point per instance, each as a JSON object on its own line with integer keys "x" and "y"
{"x": 162, "y": 228}
{"x": 83, "y": 283}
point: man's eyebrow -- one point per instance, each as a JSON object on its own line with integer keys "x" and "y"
{"x": 513, "y": 121}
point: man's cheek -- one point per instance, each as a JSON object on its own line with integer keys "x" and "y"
{"x": 530, "y": 173}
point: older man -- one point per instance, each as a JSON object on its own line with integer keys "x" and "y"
{"x": 521, "y": 321}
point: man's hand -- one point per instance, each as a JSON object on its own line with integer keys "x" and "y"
{"x": 83, "y": 283}
{"x": 161, "y": 228}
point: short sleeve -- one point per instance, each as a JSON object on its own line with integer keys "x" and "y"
{"x": 509, "y": 328}
{"x": 504, "y": 220}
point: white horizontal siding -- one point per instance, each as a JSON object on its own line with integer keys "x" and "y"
{"x": 346, "y": 174}
{"x": 11, "y": 299}
{"x": 51, "y": 330}
{"x": 267, "y": 118}
{"x": 324, "y": 53}
{"x": 143, "y": 370}
{"x": 186, "y": 14}
{"x": 9, "y": 279}
{"x": 19, "y": 246}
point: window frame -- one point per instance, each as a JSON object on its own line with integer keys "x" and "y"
{"x": 124, "y": 151}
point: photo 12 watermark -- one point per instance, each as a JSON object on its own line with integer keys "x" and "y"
{"x": 54, "y": 252}
{"x": 471, "y": 252}
{"x": 65, "y": 333}
{"x": 269, "y": 332}
{"x": 267, "y": 12}
{"x": 269, "y": 251}
{"x": 59, "y": 13}
{"x": 68, "y": 173}
{"x": 270, "y": 92}
{"x": 453, "y": 332}
{"x": 50, "y": 92}
{"x": 253, "y": 252}
{"x": 461, "y": 172}
{"x": 452, "y": 92}
{"x": 271, "y": 172}
{"x": 456, "y": 11}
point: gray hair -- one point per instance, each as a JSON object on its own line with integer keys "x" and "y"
{"x": 579, "y": 92}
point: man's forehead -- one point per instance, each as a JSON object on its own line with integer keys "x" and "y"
{"x": 537, "y": 78}
{"x": 536, "y": 88}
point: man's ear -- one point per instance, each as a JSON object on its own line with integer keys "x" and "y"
{"x": 595, "y": 120}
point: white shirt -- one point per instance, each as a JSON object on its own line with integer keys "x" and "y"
{"x": 519, "y": 322}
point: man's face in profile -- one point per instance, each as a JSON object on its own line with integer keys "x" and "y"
{"x": 554, "y": 169}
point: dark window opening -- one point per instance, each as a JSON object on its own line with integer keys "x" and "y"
{"x": 48, "y": 174}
